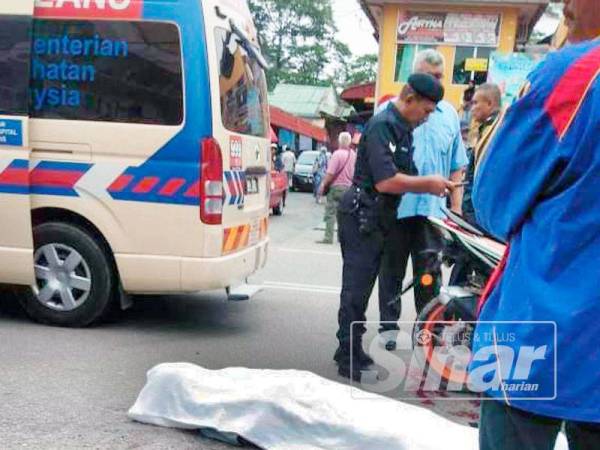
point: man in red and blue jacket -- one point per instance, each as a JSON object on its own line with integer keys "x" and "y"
{"x": 539, "y": 188}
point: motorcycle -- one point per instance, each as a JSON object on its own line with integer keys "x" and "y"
{"x": 443, "y": 332}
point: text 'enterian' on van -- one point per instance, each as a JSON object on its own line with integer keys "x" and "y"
{"x": 134, "y": 151}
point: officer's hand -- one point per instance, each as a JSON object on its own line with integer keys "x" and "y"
{"x": 440, "y": 186}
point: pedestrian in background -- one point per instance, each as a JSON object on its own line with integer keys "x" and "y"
{"x": 487, "y": 102}
{"x": 340, "y": 172}
{"x": 464, "y": 112}
{"x": 289, "y": 163}
{"x": 439, "y": 150}
{"x": 319, "y": 171}
{"x": 276, "y": 161}
{"x": 384, "y": 170}
{"x": 538, "y": 187}
{"x": 468, "y": 124}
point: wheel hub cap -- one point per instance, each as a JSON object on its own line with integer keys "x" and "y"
{"x": 63, "y": 277}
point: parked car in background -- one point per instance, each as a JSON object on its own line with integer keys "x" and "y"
{"x": 303, "y": 174}
{"x": 279, "y": 190}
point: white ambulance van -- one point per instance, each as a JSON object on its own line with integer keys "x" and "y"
{"x": 134, "y": 151}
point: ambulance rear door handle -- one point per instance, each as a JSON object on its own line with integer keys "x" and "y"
{"x": 61, "y": 150}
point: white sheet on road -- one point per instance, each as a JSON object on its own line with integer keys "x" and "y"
{"x": 291, "y": 410}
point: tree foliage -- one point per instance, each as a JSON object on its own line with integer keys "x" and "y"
{"x": 359, "y": 70}
{"x": 299, "y": 40}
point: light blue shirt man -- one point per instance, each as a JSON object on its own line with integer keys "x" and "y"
{"x": 439, "y": 150}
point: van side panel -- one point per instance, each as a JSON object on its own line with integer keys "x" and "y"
{"x": 147, "y": 177}
{"x": 139, "y": 183}
{"x": 245, "y": 213}
{"x": 180, "y": 157}
{"x": 16, "y": 242}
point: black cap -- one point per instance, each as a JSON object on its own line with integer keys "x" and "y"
{"x": 427, "y": 86}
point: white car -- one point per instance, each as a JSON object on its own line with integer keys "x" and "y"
{"x": 303, "y": 173}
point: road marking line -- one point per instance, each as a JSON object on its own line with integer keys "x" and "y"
{"x": 302, "y": 287}
{"x": 299, "y": 250}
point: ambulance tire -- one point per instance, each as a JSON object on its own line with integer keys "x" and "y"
{"x": 101, "y": 294}
{"x": 9, "y": 300}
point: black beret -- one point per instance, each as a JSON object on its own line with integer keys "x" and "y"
{"x": 427, "y": 86}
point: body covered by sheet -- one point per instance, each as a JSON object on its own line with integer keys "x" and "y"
{"x": 291, "y": 410}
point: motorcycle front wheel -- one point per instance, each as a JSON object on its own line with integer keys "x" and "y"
{"x": 442, "y": 343}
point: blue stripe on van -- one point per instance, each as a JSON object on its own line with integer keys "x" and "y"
{"x": 180, "y": 157}
{"x": 46, "y": 178}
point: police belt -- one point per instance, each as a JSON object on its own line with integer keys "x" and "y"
{"x": 375, "y": 212}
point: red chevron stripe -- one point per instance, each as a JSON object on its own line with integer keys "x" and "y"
{"x": 15, "y": 177}
{"x": 120, "y": 183}
{"x": 232, "y": 188}
{"x": 194, "y": 190}
{"x": 172, "y": 187}
{"x": 146, "y": 185}
{"x": 570, "y": 92}
{"x": 55, "y": 178}
{"x": 242, "y": 187}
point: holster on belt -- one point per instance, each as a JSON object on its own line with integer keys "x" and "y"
{"x": 367, "y": 206}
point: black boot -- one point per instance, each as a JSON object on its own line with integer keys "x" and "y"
{"x": 354, "y": 373}
{"x": 361, "y": 358}
{"x": 341, "y": 354}
{"x": 364, "y": 358}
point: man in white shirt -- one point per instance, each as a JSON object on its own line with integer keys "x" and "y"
{"x": 289, "y": 163}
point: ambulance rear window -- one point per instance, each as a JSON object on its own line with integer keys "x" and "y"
{"x": 243, "y": 87}
{"x": 14, "y": 64}
{"x": 109, "y": 71}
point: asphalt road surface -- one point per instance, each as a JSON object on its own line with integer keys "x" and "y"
{"x": 63, "y": 388}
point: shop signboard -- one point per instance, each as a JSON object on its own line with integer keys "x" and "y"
{"x": 439, "y": 28}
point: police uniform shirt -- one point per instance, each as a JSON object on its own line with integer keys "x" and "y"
{"x": 385, "y": 149}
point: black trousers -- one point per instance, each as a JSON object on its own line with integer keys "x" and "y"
{"x": 415, "y": 237}
{"x": 362, "y": 259}
{"x": 505, "y": 428}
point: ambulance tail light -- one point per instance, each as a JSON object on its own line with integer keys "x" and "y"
{"x": 211, "y": 183}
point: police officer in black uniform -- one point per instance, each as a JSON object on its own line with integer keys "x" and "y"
{"x": 384, "y": 171}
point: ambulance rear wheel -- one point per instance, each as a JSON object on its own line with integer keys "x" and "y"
{"x": 74, "y": 277}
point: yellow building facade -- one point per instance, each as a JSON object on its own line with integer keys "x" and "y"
{"x": 465, "y": 32}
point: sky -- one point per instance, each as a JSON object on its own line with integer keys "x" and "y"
{"x": 356, "y": 31}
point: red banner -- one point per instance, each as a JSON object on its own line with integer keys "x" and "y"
{"x": 89, "y": 9}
